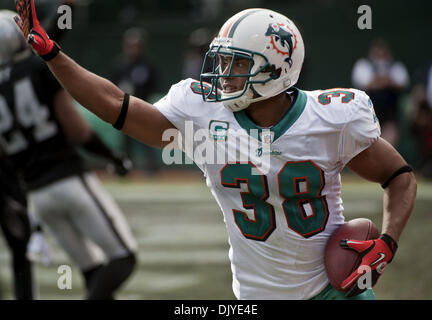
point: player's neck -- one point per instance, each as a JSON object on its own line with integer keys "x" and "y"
{"x": 267, "y": 113}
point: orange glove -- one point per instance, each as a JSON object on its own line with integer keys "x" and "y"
{"x": 36, "y": 36}
{"x": 376, "y": 254}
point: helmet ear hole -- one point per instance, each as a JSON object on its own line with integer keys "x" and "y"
{"x": 274, "y": 73}
{"x": 278, "y": 73}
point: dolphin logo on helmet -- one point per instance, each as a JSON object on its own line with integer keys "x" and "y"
{"x": 285, "y": 39}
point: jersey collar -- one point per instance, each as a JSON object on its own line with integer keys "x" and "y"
{"x": 283, "y": 125}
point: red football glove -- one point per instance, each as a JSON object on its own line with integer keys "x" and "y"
{"x": 375, "y": 254}
{"x": 29, "y": 24}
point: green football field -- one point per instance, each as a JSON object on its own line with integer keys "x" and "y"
{"x": 183, "y": 247}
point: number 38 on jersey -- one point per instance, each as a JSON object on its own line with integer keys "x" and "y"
{"x": 300, "y": 184}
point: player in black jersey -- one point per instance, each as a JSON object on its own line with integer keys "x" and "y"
{"x": 15, "y": 225}
{"x": 14, "y": 219}
{"x": 39, "y": 129}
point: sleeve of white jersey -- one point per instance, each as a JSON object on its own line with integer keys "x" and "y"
{"x": 361, "y": 131}
{"x": 172, "y": 106}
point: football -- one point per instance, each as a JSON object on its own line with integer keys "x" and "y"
{"x": 339, "y": 262}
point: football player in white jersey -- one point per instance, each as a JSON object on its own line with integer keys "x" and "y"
{"x": 279, "y": 211}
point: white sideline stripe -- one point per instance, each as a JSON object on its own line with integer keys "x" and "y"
{"x": 148, "y": 258}
{"x": 161, "y": 198}
{"x": 202, "y": 194}
{"x": 184, "y": 257}
{"x": 162, "y": 282}
{"x": 185, "y": 236}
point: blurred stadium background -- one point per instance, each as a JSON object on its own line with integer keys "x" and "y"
{"x": 183, "y": 249}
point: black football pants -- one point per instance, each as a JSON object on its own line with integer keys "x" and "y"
{"x": 16, "y": 228}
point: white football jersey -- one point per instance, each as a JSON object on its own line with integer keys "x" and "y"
{"x": 279, "y": 188}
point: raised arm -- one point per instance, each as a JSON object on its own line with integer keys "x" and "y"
{"x": 142, "y": 122}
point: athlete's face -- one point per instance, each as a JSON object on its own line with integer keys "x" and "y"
{"x": 238, "y": 66}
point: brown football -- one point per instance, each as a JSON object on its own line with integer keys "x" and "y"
{"x": 339, "y": 262}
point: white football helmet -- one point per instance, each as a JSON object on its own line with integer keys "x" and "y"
{"x": 13, "y": 44}
{"x": 270, "y": 41}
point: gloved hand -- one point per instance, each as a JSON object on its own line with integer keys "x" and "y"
{"x": 36, "y": 36}
{"x": 121, "y": 166}
{"x": 37, "y": 249}
{"x": 375, "y": 254}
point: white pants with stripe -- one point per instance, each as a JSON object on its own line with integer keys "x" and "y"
{"x": 84, "y": 219}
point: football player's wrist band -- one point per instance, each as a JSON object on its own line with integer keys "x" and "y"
{"x": 53, "y": 53}
{"x": 122, "y": 116}
{"x": 394, "y": 175}
{"x": 392, "y": 244}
